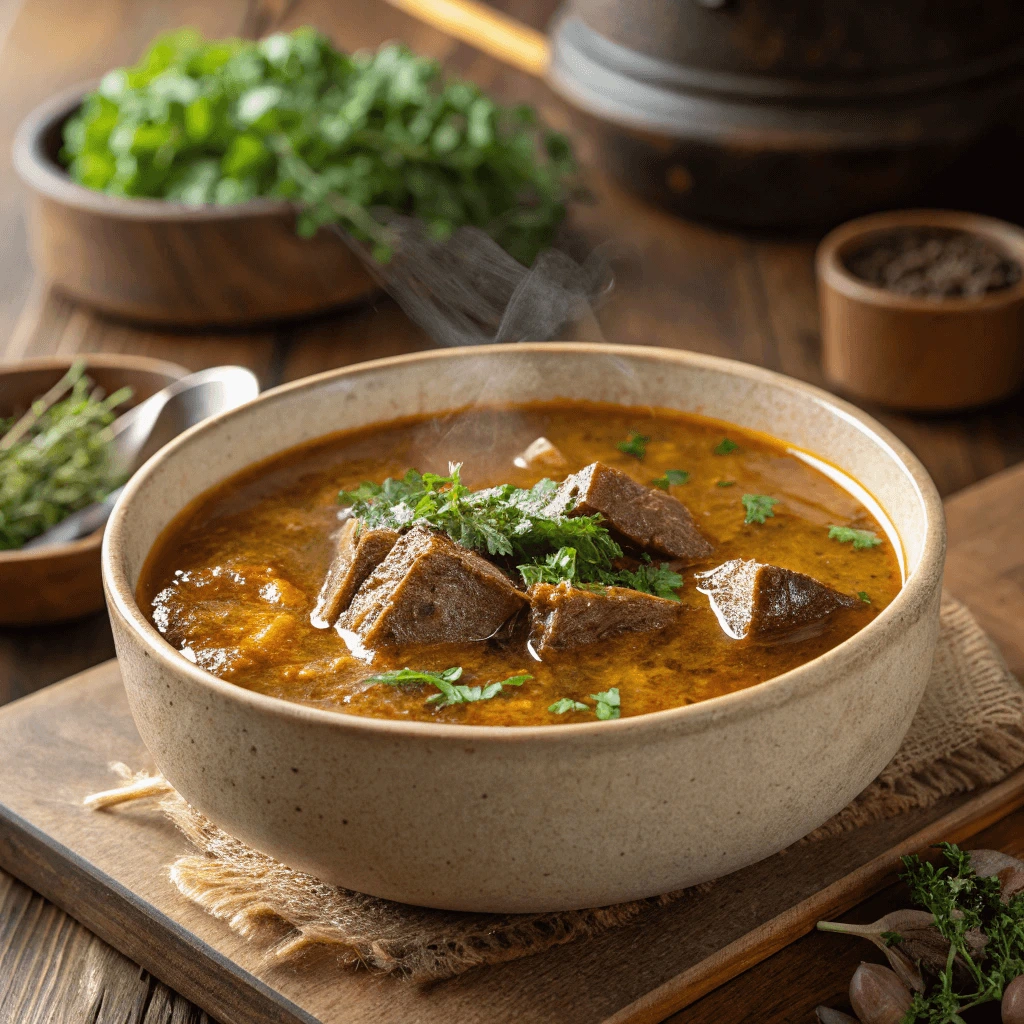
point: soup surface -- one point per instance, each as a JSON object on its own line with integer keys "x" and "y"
{"x": 233, "y": 581}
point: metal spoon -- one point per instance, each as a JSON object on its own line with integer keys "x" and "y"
{"x": 144, "y": 430}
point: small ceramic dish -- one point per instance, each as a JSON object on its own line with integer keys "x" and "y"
{"x": 63, "y": 582}
{"x": 164, "y": 262}
{"x": 485, "y": 818}
{"x": 923, "y": 354}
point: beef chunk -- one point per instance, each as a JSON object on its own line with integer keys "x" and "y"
{"x": 430, "y": 590}
{"x": 562, "y": 617}
{"x": 646, "y": 516}
{"x": 763, "y": 601}
{"x": 360, "y": 550}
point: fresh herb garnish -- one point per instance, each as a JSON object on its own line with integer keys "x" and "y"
{"x": 861, "y": 538}
{"x": 725, "y": 446}
{"x": 291, "y": 117}
{"x": 560, "y": 707}
{"x": 964, "y": 905}
{"x": 725, "y": 483}
{"x": 508, "y": 522}
{"x": 635, "y": 445}
{"x": 863, "y": 595}
{"x": 607, "y": 704}
{"x": 671, "y": 478}
{"x": 759, "y": 507}
{"x": 461, "y": 694}
{"x": 445, "y": 681}
{"x": 57, "y": 458}
{"x": 410, "y": 677}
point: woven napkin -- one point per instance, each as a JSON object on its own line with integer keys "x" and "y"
{"x": 968, "y": 732}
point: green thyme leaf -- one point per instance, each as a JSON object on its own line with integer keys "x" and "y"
{"x": 863, "y": 595}
{"x": 635, "y": 445}
{"x": 560, "y": 707}
{"x": 57, "y": 458}
{"x": 860, "y": 538}
{"x": 671, "y": 478}
{"x": 725, "y": 446}
{"x": 759, "y": 507}
{"x": 607, "y": 704}
{"x": 725, "y": 483}
{"x": 291, "y": 117}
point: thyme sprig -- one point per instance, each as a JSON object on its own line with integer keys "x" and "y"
{"x": 56, "y": 459}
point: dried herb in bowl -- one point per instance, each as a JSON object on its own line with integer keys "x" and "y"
{"x": 341, "y": 135}
{"x": 56, "y": 459}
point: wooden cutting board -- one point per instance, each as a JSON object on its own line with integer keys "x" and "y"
{"x": 109, "y": 870}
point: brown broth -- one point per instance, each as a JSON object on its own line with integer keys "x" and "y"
{"x": 262, "y": 542}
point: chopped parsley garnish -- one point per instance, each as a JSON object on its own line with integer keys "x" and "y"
{"x": 635, "y": 445}
{"x": 860, "y": 538}
{"x": 462, "y": 694}
{"x": 725, "y": 483}
{"x": 560, "y": 707}
{"x": 759, "y": 507}
{"x": 672, "y": 478}
{"x": 507, "y": 522}
{"x": 607, "y": 703}
{"x": 445, "y": 681}
{"x": 863, "y": 595}
{"x": 725, "y": 446}
{"x": 647, "y": 577}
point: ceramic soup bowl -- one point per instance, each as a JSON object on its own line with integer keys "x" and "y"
{"x": 536, "y": 818}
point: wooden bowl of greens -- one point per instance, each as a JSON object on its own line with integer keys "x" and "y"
{"x": 206, "y": 184}
{"x": 53, "y": 462}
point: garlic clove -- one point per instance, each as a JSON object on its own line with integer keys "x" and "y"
{"x": 826, "y": 1015}
{"x": 1012, "y": 1008}
{"x": 878, "y": 996}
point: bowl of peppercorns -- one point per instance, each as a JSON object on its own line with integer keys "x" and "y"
{"x": 923, "y": 309}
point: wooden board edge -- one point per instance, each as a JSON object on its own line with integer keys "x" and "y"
{"x": 136, "y": 928}
{"x": 687, "y": 987}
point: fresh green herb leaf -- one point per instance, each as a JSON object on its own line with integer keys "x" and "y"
{"x": 57, "y": 458}
{"x": 411, "y": 677}
{"x": 863, "y": 595}
{"x": 860, "y": 538}
{"x": 635, "y": 445}
{"x": 608, "y": 704}
{"x": 672, "y": 478}
{"x": 462, "y": 694}
{"x": 985, "y": 935}
{"x": 446, "y": 681}
{"x": 649, "y": 578}
{"x": 560, "y": 707}
{"x": 891, "y": 938}
{"x": 759, "y": 507}
{"x": 725, "y": 446}
{"x": 291, "y": 117}
{"x": 725, "y": 483}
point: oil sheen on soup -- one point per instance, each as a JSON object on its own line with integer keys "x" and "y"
{"x": 619, "y": 561}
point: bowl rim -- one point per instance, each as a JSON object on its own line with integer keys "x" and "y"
{"x": 107, "y": 360}
{"x": 832, "y": 271}
{"x": 48, "y": 179}
{"x": 918, "y": 590}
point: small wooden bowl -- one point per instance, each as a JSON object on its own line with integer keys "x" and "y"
{"x": 168, "y": 263}
{"x": 63, "y": 582}
{"x": 926, "y": 355}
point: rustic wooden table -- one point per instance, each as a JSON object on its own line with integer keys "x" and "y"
{"x": 751, "y": 298}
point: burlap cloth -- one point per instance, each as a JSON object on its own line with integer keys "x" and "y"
{"x": 968, "y": 732}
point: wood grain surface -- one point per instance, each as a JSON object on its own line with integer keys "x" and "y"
{"x": 678, "y": 284}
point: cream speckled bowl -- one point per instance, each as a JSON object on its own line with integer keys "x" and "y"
{"x": 542, "y": 818}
